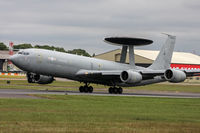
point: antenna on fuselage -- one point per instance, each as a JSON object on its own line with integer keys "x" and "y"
{"x": 127, "y": 42}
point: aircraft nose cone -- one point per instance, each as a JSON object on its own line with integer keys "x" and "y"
{"x": 12, "y": 58}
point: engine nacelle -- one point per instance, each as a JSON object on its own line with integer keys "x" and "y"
{"x": 174, "y": 76}
{"x": 130, "y": 77}
{"x": 40, "y": 79}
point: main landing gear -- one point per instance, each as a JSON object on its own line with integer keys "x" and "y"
{"x": 89, "y": 89}
{"x": 86, "y": 89}
{"x": 115, "y": 90}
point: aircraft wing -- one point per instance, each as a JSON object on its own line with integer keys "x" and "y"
{"x": 194, "y": 72}
{"x": 96, "y": 76}
{"x": 96, "y": 73}
{"x": 152, "y": 72}
{"x": 112, "y": 76}
{"x": 115, "y": 73}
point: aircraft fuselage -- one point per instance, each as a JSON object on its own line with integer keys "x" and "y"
{"x": 64, "y": 65}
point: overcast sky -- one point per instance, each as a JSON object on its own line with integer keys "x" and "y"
{"x": 84, "y": 23}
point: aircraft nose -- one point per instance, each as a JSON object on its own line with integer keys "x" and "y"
{"x": 13, "y": 58}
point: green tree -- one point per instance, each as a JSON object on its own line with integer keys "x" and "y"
{"x": 3, "y": 46}
{"x": 44, "y": 47}
{"x": 22, "y": 46}
{"x": 60, "y": 49}
{"x": 79, "y": 52}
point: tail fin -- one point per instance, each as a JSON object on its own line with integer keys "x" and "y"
{"x": 163, "y": 60}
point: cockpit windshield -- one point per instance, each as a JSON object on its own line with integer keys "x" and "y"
{"x": 23, "y": 53}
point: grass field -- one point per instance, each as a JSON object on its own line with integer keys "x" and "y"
{"x": 72, "y": 85}
{"x": 98, "y": 114}
{"x": 60, "y": 114}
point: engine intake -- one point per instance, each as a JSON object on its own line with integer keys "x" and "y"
{"x": 174, "y": 76}
{"x": 40, "y": 79}
{"x": 130, "y": 77}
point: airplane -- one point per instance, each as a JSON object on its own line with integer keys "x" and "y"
{"x": 42, "y": 66}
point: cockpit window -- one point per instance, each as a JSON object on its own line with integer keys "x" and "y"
{"x": 26, "y": 53}
{"x": 23, "y": 53}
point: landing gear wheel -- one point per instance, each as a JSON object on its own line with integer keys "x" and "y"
{"x": 110, "y": 90}
{"x": 120, "y": 90}
{"x": 90, "y": 89}
{"x": 30, "y": 80}
{"x": 115, "y": 90}
{"x": 81, "y": 89}
{"x": 86, "y": 88}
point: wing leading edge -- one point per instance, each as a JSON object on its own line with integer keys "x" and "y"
{"x": 116, "y": 73}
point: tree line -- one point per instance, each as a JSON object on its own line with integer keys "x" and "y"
{"x": 60, "y": 49}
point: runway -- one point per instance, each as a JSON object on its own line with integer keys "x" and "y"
{"x": 27, "y": 93}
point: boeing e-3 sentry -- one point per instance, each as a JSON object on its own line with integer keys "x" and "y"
{"x": 43, "y": 65}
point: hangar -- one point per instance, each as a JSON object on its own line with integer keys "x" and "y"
{"x": 181, "y": 60}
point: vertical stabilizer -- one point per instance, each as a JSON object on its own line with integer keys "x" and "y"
{"x": 163, "y": 59}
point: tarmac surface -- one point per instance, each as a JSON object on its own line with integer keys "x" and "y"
{"x": 27, "y": 93}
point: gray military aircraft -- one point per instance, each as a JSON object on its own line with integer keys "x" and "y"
{"x": 43, "y": 65}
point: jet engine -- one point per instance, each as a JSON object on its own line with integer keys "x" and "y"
{"x": 130, "y": 77}
{"x": 174, "y": 76}
{"x": 40, "y": 79}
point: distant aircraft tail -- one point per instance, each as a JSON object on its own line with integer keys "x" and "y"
{"x": 163, "y": 59}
